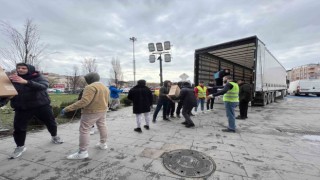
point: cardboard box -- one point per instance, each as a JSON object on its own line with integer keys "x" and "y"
{"x": 6, "y": 87}
{"x": 174, "y": 91}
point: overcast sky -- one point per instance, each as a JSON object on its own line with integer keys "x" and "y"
{"x": 100, "y": 29}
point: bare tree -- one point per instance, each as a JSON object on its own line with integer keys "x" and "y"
{"x": 23, "y": 46}
{"x": 75, "y": 79}
{"x": 52, "y": 81}
{"x": 116, "y": 74}
{"x": 89, "y": 65}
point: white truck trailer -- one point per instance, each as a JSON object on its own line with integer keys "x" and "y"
{"x": 247, "y": 59}
{"x": 304, "y": 87}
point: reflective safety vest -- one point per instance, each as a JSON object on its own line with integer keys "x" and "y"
{"x": 233, "y": 94}
{"x": 202, "y": 93}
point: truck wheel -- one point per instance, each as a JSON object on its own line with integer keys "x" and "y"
{"x": 265, "y": 99}
{"x": 269, "y": 98}
{"x": 282, "y": 94}
{"x": 318, "y": 95}
{"x": 273, "y": 97}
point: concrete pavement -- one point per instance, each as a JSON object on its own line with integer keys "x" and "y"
{"x": 257, "y": 151}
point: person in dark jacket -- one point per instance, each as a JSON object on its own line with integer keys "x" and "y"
{"x": 179, "y": 106}
{"x": 163, "y": 101}
{"x": 141, "y": 96}
{"x": 32, "y": 101}
{"x": 244, "y": 98}
{"x": 211, "y": 90}
{"x": 189, "y": 101}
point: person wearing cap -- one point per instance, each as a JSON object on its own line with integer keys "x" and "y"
{"x": 32, "y": 101}
{"x": 230, "y": 94}
{"x": 93, "y": 105}
{"x": 201, "y": 93}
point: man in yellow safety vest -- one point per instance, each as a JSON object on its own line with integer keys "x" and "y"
{"x": 230, "y": 94}
{"x": 201, "y": 93}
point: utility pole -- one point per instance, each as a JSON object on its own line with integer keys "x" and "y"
{"x": 133, "y": 39}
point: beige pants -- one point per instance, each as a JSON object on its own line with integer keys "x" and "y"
{"x": 86, "y": 122}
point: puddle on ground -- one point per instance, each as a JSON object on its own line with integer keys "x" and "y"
{"x": 312, "y": 137}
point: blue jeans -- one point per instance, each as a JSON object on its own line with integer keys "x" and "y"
{"x": 201, "y": 101}
{"x": 230, "y": 106}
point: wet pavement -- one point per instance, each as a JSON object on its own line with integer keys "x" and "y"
{"x": 259, "y": 149}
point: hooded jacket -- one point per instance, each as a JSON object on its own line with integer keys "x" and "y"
{"x": 141, "y": 96}
{"x": 95, "y": 96}
{"x": 164, "y": 90}
{"x": 114, "y": 92}
{"x": 187, "y": 96}
{"x": 33, "y": 94}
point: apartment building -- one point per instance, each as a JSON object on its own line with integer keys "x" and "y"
{"x": 309, "y": 71}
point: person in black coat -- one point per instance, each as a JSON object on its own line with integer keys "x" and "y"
{"x": 179, "y": 107}
{"x": 32, "y": 101}
{"x": 211, "y": 90}
{"x": 141, "y": 96}
{"x": 244, "y": 98}
{"x": 189, "y": 101}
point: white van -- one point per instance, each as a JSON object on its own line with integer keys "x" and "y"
{"x": 305, "y": 86}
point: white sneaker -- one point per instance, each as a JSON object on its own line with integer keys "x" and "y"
{"x": 92, "y": 131}
{"x": 18, "y": 152}
{"x": 79, "y": 155}
{"x": 102, "y": 146}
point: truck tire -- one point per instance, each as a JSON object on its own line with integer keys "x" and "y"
{"x": 282, "y": 94}
{"x": 273, "y": 96}
{"x": 318, "y": 95}
{"x": 269, "y": 98}
{"x": 265, "y": 99}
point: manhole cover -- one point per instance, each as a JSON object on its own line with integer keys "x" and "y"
{"x": 188, "y": 163}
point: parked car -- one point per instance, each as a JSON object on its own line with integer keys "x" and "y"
{"x": 125, "y": 90}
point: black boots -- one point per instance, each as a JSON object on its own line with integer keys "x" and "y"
{"x": 138, "y": 130}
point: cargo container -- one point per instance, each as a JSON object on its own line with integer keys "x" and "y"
{"x": 247, "y": 59}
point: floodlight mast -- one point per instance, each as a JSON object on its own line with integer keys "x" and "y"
{"x": 159, "y": 51}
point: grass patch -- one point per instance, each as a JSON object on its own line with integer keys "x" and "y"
{"x": 57, "y": 99}
{"x": 6, "y": 113}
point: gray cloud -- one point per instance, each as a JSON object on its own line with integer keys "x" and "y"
{"x": 76, "y": 29}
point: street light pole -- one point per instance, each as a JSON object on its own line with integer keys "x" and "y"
{"x": 133, "y": 39}
{"x": 161, "y": 79}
